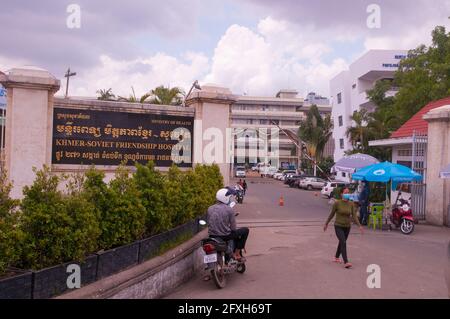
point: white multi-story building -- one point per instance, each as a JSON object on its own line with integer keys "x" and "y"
{"x": 251, "y": 114}
{"x": 348, "y": 90}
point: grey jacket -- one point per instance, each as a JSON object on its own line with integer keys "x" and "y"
{"x": 221, "y": 220}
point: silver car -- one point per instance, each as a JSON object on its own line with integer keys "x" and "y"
{"x": 312, "y": 183}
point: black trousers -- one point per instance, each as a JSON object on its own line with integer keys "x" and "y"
{"x": 239, "y": 236}
{"x": 342, "y": 235}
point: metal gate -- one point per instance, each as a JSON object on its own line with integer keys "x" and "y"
{"x": 419, "y": 165}
{"x": 2, "y": 136}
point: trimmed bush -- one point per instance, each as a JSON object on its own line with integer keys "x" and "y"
{"x": 122, "y": 219}
{"x": 56, "y": 228}
{"x": 10, "y": 234}
{"x": 150, "y": 184}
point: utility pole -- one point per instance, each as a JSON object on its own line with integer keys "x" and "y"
{"x": 68, "y": 75}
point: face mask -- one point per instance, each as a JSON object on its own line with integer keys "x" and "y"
{"x": 346, "y": 196}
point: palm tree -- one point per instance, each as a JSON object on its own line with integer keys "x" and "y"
{"x": 105, "y": 95}
{"x": 315, "y": 132}
{"x": 358, "y": 133}
{"x": 133, "y": 99}
{"x": 167, "y": 96}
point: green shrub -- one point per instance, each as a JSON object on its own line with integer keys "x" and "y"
{"x": 150, "y": 184}
{"x": 10, "y": 234}
{"x": 57, "y": 228}
{"x": 174, "y": 196}
{"x": 123, "y": 216}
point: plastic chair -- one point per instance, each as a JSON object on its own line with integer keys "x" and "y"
{"x": 376, "y": 216}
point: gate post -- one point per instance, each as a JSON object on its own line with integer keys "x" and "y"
{"x": 438, "y": 190}
{"x": 212, "y": 116}
{"x": 29, "y": 114}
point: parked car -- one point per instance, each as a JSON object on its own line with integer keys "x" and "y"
{"x": 297, "y": 181}
{"x": 267, "y": 171}
{"x": 330, "y": 186}
{"x": 277, "y": 175}
{"x": 312, "y": 183}
{"x": 291, "y": 179}
{"x": 240, "y": 171}
{"x": 287, "y": 173}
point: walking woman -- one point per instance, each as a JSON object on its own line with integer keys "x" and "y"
{"x": 345, "y": 212}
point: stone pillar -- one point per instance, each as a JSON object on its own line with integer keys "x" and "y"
{"x": 29, "y": 115}
{"x": 212, "y": 119}
{"x": 438, "y": 190}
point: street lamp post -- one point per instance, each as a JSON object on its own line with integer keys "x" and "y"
{"x": 194, "y": 85}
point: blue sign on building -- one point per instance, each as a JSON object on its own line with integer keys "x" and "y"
{"x": 2, "y": 97}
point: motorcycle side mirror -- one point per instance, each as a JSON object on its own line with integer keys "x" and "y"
{"x": 202, "y": 222}
{"x": 232, "y": 204}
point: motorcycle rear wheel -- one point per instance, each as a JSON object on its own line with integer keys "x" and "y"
{"x": 218, "y": 275}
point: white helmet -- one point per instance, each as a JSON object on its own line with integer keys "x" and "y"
{"x": 224, "y": 195}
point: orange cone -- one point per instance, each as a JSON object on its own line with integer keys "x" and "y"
{"x": 281, "y": 201}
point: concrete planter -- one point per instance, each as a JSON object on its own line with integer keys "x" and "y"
{"x": 17, "y": 287}
{"x": 52, "y": 281}
{"x": 117, "y": 259}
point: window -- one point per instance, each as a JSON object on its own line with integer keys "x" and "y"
{"x": 341, "y": 143}
{"x": 340, "y": 121}
{"x": 344, "y": 175}
{"x": 339, "y": 98}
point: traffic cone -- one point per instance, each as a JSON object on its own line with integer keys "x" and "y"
{"x": 281, "y": 201}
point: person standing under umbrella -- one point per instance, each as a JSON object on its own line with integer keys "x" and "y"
{"x": 363, "y": 200}
{"x": 345, "y": 211}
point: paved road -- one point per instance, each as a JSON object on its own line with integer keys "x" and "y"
{"x": 289, "y": 255}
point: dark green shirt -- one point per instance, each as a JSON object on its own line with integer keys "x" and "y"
{"x": 344, "y": 211}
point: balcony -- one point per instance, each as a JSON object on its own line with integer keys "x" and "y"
{"x": 267, "y": 114}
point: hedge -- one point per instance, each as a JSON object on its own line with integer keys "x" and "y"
{"x": 50, "y": 226}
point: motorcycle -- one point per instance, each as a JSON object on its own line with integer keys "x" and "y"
{"x": 402, "y": 216}
{"x": 240, "y": 196}
{"x": 219, "y": 258}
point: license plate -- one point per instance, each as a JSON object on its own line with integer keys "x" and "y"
{"x": 210, "y": 258}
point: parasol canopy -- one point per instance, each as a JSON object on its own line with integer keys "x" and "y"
{"x": 351, "y": 163}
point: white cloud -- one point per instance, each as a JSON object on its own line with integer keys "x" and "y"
{"x": 279, "y": 55}
{"x": 142, "y": 74}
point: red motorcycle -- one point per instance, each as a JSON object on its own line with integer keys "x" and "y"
{"x": 402, "y": 216}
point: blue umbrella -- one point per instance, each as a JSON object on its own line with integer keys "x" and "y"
{"x": 385, "y": 172}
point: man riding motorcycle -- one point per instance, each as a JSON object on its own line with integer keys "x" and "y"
{"x": 222, "y": 222}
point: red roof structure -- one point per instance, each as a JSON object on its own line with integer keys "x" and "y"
{"x": 417, "y": 123}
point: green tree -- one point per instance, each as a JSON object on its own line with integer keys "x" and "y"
{"x": 358, "y": 132}
{"x": 424, "y": 76}
{"x": 106, "y": 95}
{"x": 167, "y": 96}
{"x": 315, "y": 132}
{"x": 133, "y": 99}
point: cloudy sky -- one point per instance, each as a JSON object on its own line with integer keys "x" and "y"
{"x": 251, "y": 46}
